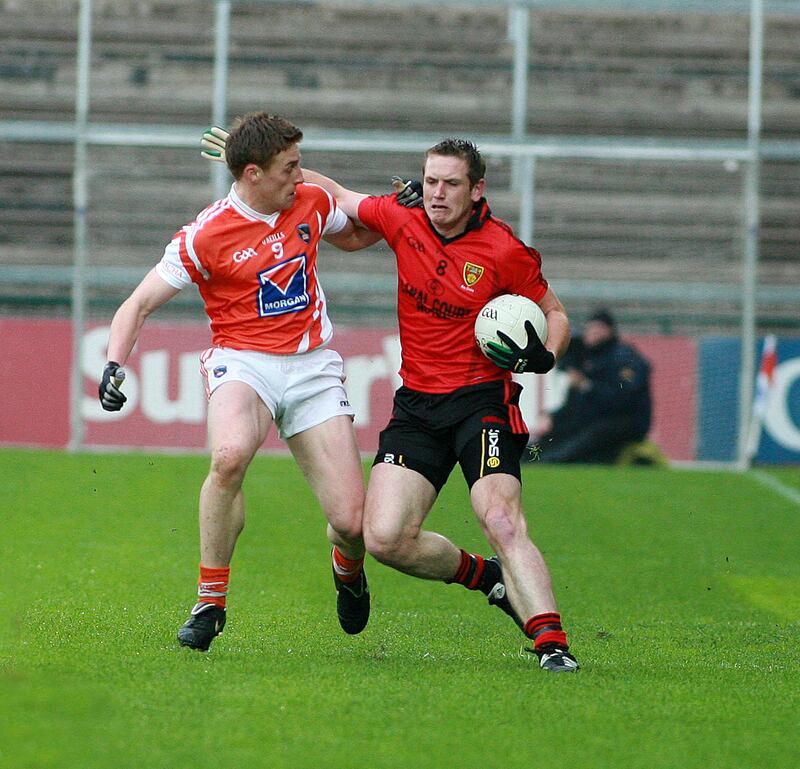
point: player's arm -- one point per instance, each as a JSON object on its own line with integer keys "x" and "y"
{"x": 353, "y": 237}
{"x": 128, "y": 320}
{"x": 148, "y": 296}
{"x": 558, "y": 330}
{"x": 348, "y": 200}
{"x": 213, "y": 143}
{"x": 409, "y": 193}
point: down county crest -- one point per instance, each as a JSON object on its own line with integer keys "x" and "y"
{"x": 472, "y": 273}
{"x": 304, "y": 231}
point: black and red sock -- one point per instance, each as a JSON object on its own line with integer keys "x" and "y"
{"x": 470, "y": 571}
{"x": 545, "y": 629}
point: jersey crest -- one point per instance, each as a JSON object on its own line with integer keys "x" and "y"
{"x": 472, "y": 273}
{"x": 283, "y": 288}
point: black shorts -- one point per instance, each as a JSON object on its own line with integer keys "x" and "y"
{"x": 479, "y": 426}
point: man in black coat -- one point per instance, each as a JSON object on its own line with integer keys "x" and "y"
{"x": 608, "y": 403}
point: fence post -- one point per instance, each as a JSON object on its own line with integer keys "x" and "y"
{"x": 219, "y": 108}
{"x": 519, "y": 19}
{"x": 80, "y": 202}
{"x": 752, "y": 221}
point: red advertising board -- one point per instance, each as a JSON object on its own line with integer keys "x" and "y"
{"x": 166, "y": 401}
{"x": 673, "y": 361}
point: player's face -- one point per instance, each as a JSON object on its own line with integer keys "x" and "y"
{"x": 447, "y": 195}
{"x": 275, "y": 184}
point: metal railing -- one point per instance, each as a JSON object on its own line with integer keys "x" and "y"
{"x": 524, "y": 150}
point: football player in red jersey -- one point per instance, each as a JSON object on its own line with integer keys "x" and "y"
{"x": 253, "y": 257}
{"x": 456, "y": 406}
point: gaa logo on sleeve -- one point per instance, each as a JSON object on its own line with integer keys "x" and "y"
{"x": 283, "y": 288}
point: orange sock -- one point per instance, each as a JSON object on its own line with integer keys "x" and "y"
{"x": 212, "y": 586}
{"x": 346, "y": 570}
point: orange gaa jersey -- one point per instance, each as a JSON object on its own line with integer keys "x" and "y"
{"x": 257, "y": 273}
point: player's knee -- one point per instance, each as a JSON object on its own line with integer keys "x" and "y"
{"x": 503, "y": 527}
{"x": 348, "y": 527}
{"x": 229, "y": 463}
{"x": 387, "y": 544}
{"x": 346, "y": 517}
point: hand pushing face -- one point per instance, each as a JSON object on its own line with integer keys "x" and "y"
{"x": 447, "y": 194}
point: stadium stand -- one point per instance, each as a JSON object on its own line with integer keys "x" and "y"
{"x": 438, "y": 70}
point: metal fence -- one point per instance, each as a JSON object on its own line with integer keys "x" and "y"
{"x": 521, "y": 154}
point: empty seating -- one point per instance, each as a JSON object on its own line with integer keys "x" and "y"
{"x": 439, "y": 70}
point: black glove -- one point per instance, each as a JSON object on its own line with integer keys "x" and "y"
{"x": 111, "y": 399}
{"x": 409, "y": 194}
{"x": 533, "y": 357}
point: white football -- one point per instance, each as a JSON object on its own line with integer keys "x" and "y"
{"x": 508, "y": 313}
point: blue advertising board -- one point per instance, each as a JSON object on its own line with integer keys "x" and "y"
{"x": 718, "y": 403}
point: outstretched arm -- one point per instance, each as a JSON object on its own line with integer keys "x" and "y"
{"x": 213, "y": 143}
{"x": 348, "y": 200}
{"x": 353, "y": 237}
{"x": 409, "y": 193}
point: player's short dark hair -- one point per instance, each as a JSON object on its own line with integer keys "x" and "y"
{"x": 467, "y": 151}
{"x": 258, "y": 138}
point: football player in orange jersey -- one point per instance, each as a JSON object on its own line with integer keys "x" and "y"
{"x": 457, "y": 406}
{"x": 253, "y": 257}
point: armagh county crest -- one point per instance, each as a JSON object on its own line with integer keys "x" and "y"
{"x": 472, "y": 273}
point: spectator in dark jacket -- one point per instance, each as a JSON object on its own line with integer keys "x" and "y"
{"x": 608, "y": 403}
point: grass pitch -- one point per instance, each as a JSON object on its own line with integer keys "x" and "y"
{"x": 680, "y": 591}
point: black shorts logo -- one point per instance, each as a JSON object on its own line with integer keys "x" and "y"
{"x": 389, "y": 458}
{"x": 493, "y": 448}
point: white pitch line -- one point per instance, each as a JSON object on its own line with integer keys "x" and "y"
{"x": 787, "y": 492}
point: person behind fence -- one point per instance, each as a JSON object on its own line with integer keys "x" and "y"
{"x": 608, "y": 403}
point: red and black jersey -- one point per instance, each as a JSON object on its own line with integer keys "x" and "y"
{"x": 442, "y": 285}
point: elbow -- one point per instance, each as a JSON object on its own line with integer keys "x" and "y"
{"x": 132, "y": 313}
{"x": 349, "y": 246}
{"x": 134, "y": 309}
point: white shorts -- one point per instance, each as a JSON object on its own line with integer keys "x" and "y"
{"x": 301, "y": 390}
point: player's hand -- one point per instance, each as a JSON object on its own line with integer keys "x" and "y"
{"x": 213, "y": 140}
{"x": 534, "y": 357}
{"x": 409, "y": 193}
{"x": 111, "y": 397}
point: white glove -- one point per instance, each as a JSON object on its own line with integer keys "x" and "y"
{"x": 213, "y": 140}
